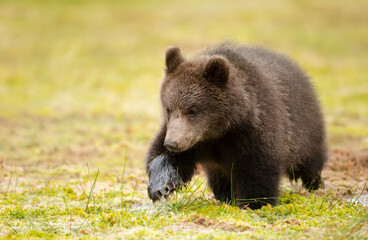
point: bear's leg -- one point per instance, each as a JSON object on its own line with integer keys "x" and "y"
{"x": 256, "y": 185}
{"x": 310, "y": 174}
{"x": 310, "y": 171}
{"x": 167, "y": 173}
{"x": 313, "y": 183}
{"x": 220, "y": 185}
{"x": 311, "y": 179}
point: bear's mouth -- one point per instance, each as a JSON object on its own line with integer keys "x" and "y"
{"x": 177, "y": 149}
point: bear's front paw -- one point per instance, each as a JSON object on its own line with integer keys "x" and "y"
{"x": 163, "y": 178}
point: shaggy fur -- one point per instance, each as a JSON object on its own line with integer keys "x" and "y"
{"x": 247, "y": 115}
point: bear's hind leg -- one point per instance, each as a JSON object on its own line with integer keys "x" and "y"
{"x": 310, "y": 171}
{"x": 313, "y": 183}
{"x": 311, "y": 179}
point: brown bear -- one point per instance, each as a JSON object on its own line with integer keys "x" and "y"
{"x": 247, "y": 115}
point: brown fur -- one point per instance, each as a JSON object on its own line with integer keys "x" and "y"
{"x": 247, "y": 115}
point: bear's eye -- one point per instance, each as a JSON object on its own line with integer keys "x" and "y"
{"x": 168, "y": 111}
{"x": 192, "y": 111}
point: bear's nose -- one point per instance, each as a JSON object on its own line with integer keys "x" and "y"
{"x": 171, "y": 145}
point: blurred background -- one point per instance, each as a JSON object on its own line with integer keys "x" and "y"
{"x": 79, "y": 80}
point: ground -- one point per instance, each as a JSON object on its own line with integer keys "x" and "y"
{"x": 79, "y": 103}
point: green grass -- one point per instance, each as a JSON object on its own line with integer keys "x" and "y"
{"x": 79, "y": 85}
{"x": 68, "y": 210}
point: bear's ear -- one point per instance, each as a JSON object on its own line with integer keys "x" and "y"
{"x": 173, "y": 58}
{"x": 217, "y": 70}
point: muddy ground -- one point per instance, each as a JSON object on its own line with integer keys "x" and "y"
{"x": 346, "y": 174}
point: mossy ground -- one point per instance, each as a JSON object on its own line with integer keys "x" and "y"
{"x": 79, "y": 102}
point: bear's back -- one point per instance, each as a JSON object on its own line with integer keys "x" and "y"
{"x": 293, "y": 87}
{"x": 298, "y": 94}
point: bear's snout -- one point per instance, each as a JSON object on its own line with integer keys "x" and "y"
{"x": 171, "y": 145}
{"x": 179, "y": 134}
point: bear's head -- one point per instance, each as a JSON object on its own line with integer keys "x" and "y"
{"x": 194, "y": 98}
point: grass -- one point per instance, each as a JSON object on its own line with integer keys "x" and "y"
{"x": 79, "y": 85}
{"x": 66, "y": 211}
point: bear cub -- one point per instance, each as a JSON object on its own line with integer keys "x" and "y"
{"x": 247, "y": 115}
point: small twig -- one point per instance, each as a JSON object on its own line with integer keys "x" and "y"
{"x": 10, "y": 178}
{"x": 123, "y": 176}
{"x": 324, "y": 200}
{"x": 8, "y": 224}
{"x": 92, "y": 188}
{"x": 131, "y": 201}
{"x": 361, "y": 191}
